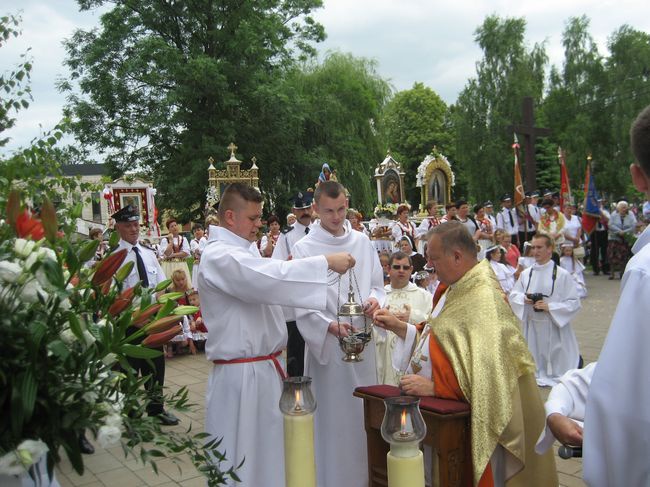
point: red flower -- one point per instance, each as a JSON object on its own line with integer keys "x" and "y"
{"x": 29, "y": 227}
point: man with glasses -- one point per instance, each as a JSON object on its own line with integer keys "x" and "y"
{"x": 409, "y": 303}
{"x": 545, "y": 298}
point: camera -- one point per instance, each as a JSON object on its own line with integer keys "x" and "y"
{"x": 534, "y": 297}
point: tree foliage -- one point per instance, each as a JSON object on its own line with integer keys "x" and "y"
{"x": 164, "y": 85}
{"x": 491, "y": 102}
{"x": 414, "y": 122}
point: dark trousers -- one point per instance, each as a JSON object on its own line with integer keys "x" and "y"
{"x": 514, "y": 239}
{"x": 598, "y": 251}
{"x": 525, "y": 237}
{"x": 295, "y": 351}
{"x": 155, "y": 382}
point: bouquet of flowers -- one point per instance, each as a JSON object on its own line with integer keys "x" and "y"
{"x": 385, "y": 211}
{"x": 65, "y": 348}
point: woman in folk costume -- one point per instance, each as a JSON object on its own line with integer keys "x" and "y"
{"x": 174, "y": 250}
{"x": 486, "y": 235}
{"x": 576, "y": 268}
{"x": 268, "y": 241}
{"x": 403, "y": 226}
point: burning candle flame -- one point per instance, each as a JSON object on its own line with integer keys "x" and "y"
{"x": 403, "y": 419}
{"x": 298, "y": 406}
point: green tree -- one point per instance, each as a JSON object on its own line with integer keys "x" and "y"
{"x": 14, "y": 86}
{"x": 491, "y": 102}
{"x": 414, "y": 122}
{"x": 575, "y": 104}
{"x": 164, "y": 85}
{"x": 628, "y": 92}
{"x": 339, "y": 101}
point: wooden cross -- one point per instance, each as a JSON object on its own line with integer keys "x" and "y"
{"x": 232, "y": 148}
{"x": 529, "y": 132}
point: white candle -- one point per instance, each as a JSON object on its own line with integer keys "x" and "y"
{"x": 405, "y": 471}
{"x": 299, "y": 460}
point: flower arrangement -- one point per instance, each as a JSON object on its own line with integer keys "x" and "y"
{"x": 65, "y": 366}
{"x": 387, "y": 210}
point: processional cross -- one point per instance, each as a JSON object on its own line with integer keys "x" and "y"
{"x": 529, "y": 132}
{"x": 232, "y": 148}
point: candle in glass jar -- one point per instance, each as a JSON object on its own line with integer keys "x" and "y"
{"x": 299, "y": 459}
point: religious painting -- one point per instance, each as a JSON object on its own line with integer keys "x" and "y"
{"x": 133, "y": 199}
{"x": 391, "y": 190}
{"x": 438, "y": 187}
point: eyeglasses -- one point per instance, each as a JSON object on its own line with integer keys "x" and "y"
{"x": 397, "y": 267}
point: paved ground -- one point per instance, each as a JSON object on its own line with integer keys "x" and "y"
{"x": 110, "y": 468}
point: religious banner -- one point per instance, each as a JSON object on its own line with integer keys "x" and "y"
{"x": 565, "y": 187}
{"x": 591, "y": 211}
{"x": 519, "y": 194}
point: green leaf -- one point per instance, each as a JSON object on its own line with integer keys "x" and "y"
{"x": 58, "y": 348}
{"x": 124, "y": 271}
{"x": 88, "y": 250}
{"x": 28, "y": 393}
{"x": 137, "y": 351}
{"x": 53, "y": 272}
{"x": 75, "y": 326}
{"x": 167, "y": 308}
{"x": 71, "y": 259}
{"x": 113, "y": 240}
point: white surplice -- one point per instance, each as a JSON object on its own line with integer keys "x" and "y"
{"x": 576, "y": 268}
{"x": 421, "y": 303}
{"x": 341, "y": 455}
{"x": 241, "y": 294}
{"x": 568, "y": 398}
{"x": 550, "y": 337}
{"x": 505, "y": 275}
{"x": 617, "y": 420}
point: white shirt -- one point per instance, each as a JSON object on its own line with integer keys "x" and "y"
{"x": 179, "y": 241}
{"x": 504, "y": 221}
{"x": 288, "y": 238}
{"x": 155, "y": 274}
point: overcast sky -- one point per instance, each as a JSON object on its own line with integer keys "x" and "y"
{"x": 412, "y": 40}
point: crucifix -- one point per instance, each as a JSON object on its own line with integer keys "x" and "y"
{"x": 529, "y": 132}
{"x": 232, "y": 148}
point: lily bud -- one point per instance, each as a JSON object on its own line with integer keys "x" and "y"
{"x": 140, "y": 317}
{"x": 159, "y": 339}
{"x": 108, "y": 267}
{"x": 122, "y": 301}
{"x": 162, "y": 324}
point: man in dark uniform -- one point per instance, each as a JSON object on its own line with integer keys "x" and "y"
{"x": 290, "y": 235}
{"x": 598, "y": 241}
{"x": 148, "y": 272}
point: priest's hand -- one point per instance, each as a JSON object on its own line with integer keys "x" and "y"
{"x": 339, "y": 329}
{"x": 567, "y": 431}
{"x": 416, "y": 385}
{"x": 340, "y": 262}
{"x": 370, "y": 305}
{"x": 383, "y": 318}
{"x": 404, "y": 314}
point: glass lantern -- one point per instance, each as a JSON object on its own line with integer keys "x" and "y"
{"x": 403, "y": 426}
{"x": 297, "y": 398}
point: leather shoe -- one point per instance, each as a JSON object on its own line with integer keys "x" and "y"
{"x": 167, "y": 419}
{"x": 85, "y": 446}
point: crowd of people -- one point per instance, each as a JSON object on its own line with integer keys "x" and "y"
{"x": 468, "y": 304}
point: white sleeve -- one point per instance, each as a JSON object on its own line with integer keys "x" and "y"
{"x": 403, "y": 348}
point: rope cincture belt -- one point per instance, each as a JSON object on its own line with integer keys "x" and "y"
{"x": 273, "y": 357}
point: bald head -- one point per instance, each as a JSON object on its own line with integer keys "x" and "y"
{"x": 451, "y": 250}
